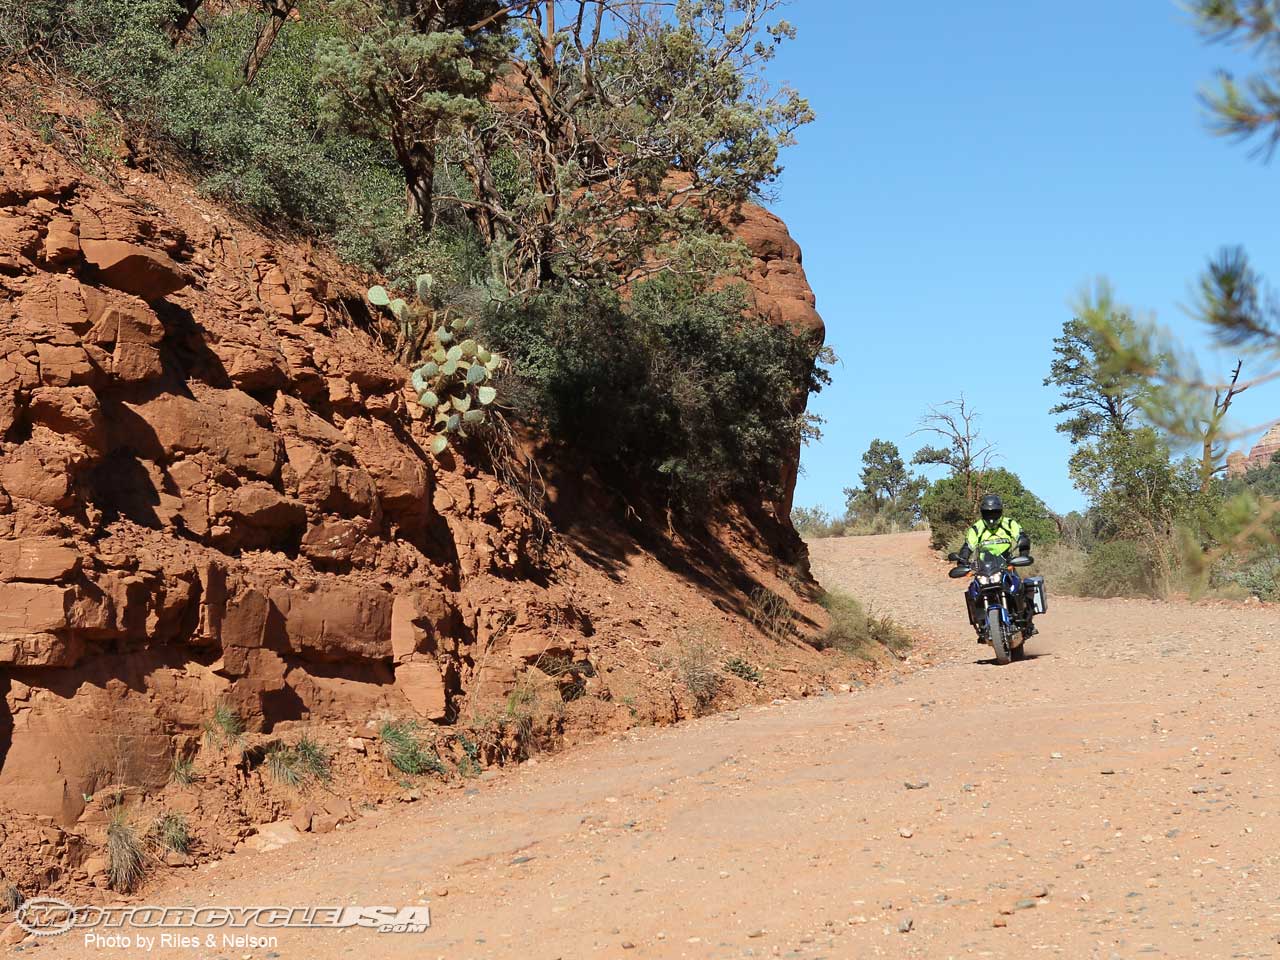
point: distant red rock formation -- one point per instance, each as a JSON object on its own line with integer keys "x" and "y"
{"x": 1260, "y": 456}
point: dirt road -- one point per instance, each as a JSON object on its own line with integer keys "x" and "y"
{"x": 1114, "y": 796}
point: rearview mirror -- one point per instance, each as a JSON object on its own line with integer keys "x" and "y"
{"x": 957, "y": 572}
{"x": 953, "y": 557}
{"x": 1021, "y": 562}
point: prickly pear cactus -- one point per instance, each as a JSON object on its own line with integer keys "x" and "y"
{"x": 453, "y": 383}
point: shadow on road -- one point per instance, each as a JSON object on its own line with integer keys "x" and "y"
{"x": 1028, "y": 657}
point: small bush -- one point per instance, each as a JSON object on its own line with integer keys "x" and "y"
{"x": 183, "y": 771}
{"x": 1062, "y": 566}
{"x": 224, "y": 727}
{"x": 299, "y": 765}
{"x": 1259, "y": 577}
{"x": 405, "y": 751}
{"x": 814, "y": 523}
{"x": 170, "y": 832}
{"x": 10, "y": 897}
{"x": 125, "y": 857}
{"x": 854, "y": 628}
{"x": 469, "y": 765}
{"x": 1118, "y": 568}
{"x": 672, "y": 388}
{"x": 741, "y": 668}
{"x": 696, "y": 667}
{"x": 771, "y": 614}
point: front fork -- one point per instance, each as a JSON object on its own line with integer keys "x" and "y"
{"x": 978, "y": 607}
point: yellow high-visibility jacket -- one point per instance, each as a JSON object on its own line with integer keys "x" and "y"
{"x": 1000, "y": 539}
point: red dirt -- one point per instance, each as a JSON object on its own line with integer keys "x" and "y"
{"x": 1112, "y": 796}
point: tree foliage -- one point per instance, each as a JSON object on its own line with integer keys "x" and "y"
{"x": 622, "y": 133}
{"x": 950, "y": 510}
{"x": 1096, "y": 400}
{"x": 1249, "y": 108}
{"x": 412, "y": 72}
{"x": 671, "y": 389}
{"x": 888, "y": 493}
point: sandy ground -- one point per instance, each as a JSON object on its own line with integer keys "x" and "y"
{"x": 1113, "y": 796}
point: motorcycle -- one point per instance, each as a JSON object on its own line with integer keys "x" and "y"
{"x": 1002, "y": 605}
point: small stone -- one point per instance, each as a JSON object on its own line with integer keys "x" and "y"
{"x": 1055, "y": 756}
{"x": 357, "y": 744}
{"x": 905, "y": 833}
{"x": 442, "y": 891}
{"x": 905, "y": 925}
{"x": 999, "y": 922}
{"x": 1108, "y": 772}
{"x": 1040, "y": 892}
{"x": 628, "y": 945}
{"x": 916, "y": 784}
{"x": 1024, "y": 904}
{"x": 1200, "y": 789}
{"x": 755, "y": 934}
{"x": 13, "y": 934}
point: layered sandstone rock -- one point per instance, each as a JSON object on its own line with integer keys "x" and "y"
{"x": 1259, "y": 456}
{"x": 213, "y": 493}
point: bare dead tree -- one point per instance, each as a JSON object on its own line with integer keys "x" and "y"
{"x": 1212, "y": 450}
{"x": 965, "y": 452}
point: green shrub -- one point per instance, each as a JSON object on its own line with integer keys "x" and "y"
{"x": 1061, "y": 565}
{"x": 124, "y": 853}
{"x": 674, "y": 388}
{"x": 950, "y": 511}
{"x": 1118, "y": 568}
{"x": 262, "y": 147}
{"x": 224, "y": 727}
{"x": 854, "y": 628}
{"x": 813, "y": 523}
{"x": 170, "y": 832}
{"x": 183, "y": 771}
{"x": 1259, "y": 577}
{"x": 741, "y": 668}
{"x": 296, "y": 766}
{"x": 405, "y": 751}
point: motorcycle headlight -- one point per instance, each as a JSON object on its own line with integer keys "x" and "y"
{"x": 990, "y": 580}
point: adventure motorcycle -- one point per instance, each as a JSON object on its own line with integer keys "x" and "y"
{"x": 1002, "y": 605}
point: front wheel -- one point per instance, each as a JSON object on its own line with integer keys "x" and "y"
{"x": 999, "y": 638}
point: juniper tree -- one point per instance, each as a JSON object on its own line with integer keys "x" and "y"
{"x": 1095, "y": 401}
{"x": 413, "y": 71}
{"x": 622, "y": 131}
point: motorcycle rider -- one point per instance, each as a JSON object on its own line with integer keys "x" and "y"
{"x": 999, "y": 535}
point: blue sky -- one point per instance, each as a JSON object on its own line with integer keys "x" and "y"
{"x": 971, "y": 168}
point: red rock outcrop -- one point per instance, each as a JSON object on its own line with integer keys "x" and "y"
{"x": 214, "y": 491}
{"x": 1258, "y": 457}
